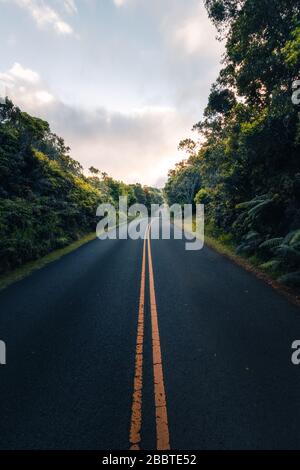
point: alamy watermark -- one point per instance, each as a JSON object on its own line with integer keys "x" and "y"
{"x": 166, "y": 222}
{"x": 296, "y": 354}
{"x": 295, "y": 358}
{"x": 2, "y": 353}
{"x": 296, "y": 92}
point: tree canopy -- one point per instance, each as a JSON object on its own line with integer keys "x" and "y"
{"x": 248, "y": 159}
{"x": 46, "y": 200}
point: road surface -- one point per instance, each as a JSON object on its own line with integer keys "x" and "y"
{"x": 136, "y": 344}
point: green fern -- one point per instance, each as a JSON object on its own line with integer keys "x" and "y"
{"x": 253, "y": 236}
{"x": 271, "y": 266}
{"x": 288, "y": 255}
{"x": 291, "y": 279}
{"x": 296, "y": 246}
{"x": 245, "y": 249}
{"x": 246, "y": 205}
{"x": 258, "y": 208}
{"x": 271, "y": 244}
{"x": 254, "y": 202}
{"x": 295, "y": 238}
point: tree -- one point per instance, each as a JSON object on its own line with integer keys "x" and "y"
{"x": 248, "y": 159}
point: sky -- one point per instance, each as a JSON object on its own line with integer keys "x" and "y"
{"x": 122, "y": 81}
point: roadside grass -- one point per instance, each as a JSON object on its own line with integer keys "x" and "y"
{"x": 28, "y": 268}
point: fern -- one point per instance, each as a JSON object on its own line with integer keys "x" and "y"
{"x": 291, "y": 279}
{"x": 256, "y": 210}
{"x": 295, "y": 238}
{"x": 296, "y": 246}
{"x": 254, "y": 202}
{"x": 246, "y": 205}
{"x": 271, "y": 266}
{"x": 253, "y": 236}
{"x": 288, "y": 255}
{"x": 245, "y": 249}
{"x": 271, "y": 244}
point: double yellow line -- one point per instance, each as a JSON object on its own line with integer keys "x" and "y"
{"x": 161, "y": 416}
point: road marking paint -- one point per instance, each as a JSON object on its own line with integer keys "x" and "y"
{"x": 136, "y": 410}
{"x": 161, "y": 415}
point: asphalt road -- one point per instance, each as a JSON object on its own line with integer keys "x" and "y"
{"x": 71, "y": 331}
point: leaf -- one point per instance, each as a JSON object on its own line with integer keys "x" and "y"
{"x": 271, "y": 243}
{"x": 295, "y": 238}
{"x": 291, "y": 279}
{"x": 271, "y": 266}
{"x": 288, "y": 255}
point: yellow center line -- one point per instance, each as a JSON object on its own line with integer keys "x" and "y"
{"x": 136, "y": 410}
{"x": 161, "y": 416}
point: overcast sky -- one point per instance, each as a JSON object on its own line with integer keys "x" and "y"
{"x": 123, "y": 81}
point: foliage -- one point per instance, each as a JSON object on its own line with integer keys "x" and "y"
{"x": 184, "y": 182}
{"x": 46, "y": 201}
{"x": 247, "y": 159}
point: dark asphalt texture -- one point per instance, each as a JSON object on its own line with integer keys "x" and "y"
{"x": 70, "y": 330}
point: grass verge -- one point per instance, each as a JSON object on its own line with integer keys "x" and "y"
{"x": 27, "y": 268}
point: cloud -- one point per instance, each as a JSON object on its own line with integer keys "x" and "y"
{"x": 17, "y": 72}
{"x": 46, "y": 17}
{"x": 44, "y": 97}
{"x": 25, "y": 87}
{"x": 119, "y": 3}
{"x": 195, "y": 35}
{"x": 138, "y": 145}
{"x": 133, "y": 103}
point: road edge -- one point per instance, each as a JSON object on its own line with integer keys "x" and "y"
{"x": 27, "y": 269}
{"x": 225, "y": 251}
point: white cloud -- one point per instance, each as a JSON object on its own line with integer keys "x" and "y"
{"x": 44, "y": 97}
{"x": 24, "y": 87}
{"x": 132, "y": 111}
{"x": 45, "y": 16}
{"x": 119, "y": 3}
{"x": 138, "y": 145}
{"x": 18, "y": 72}
{"x": 196, "y": 35}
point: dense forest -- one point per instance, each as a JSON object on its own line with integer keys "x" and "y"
{"x": 46, "y": 201}
{"x": 245, "y": 163}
